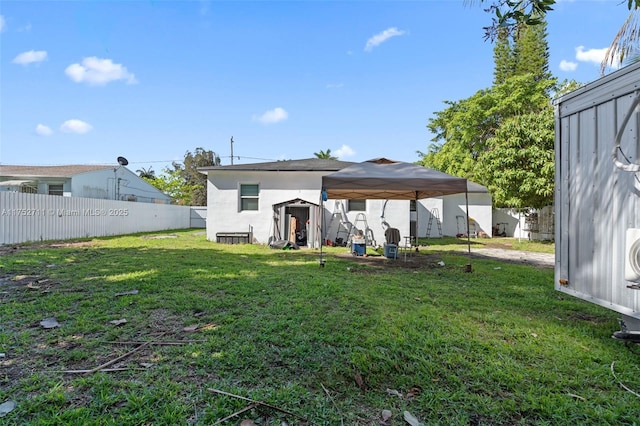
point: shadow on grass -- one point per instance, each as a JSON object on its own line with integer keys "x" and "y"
{"x": 274, "y": 325}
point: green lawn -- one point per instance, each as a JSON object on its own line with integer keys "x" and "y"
{"x": 332, "y": 345}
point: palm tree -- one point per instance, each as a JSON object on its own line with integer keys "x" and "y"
{"x": 625, "y": 44}
{"x": 325, "y": 155}
{"x": 146, "y": 173}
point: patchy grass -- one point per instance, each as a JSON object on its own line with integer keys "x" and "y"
{"x": 333, "y": 344}
{"x": 453, "y": 243}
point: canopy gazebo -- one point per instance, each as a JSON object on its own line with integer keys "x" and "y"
{"x": 386, "y": 179}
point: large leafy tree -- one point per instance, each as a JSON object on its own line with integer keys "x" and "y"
{"x": 472, "y": 135}
{"x": 173, "y": 184}
{"x": 196, "y": 181}
{"x": 183, "y": 182}
{"x": 518, "y": 166}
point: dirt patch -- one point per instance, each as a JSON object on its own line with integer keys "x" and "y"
{"x": 418, "y": 260}
{"x": 14, "y": 248}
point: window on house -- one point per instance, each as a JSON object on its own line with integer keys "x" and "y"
{"x": 56, "y": 189}
{"x": 249, "y": 196}
{"x": 29, "y": 189}
{"x": 357, "y": 205}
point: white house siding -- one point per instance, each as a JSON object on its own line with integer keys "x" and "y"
{"x": 118, "y": 183}
{"x": 480, "y": 210}
{"x": 396, "y": 215}
{"x": 425, "y": 209}
{"x": 595, "y": 201}
{"x": 224, "y": 215}
{"x": 515, "y": 223}
{"x": 39, "y": 217}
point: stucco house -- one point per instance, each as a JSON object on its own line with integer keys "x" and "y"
{"x": 88, "y": 181}
{"x": 282, "y": 200}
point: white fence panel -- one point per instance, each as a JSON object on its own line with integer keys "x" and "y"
{"x": 198, "y": 216}
{"x": 38, "y": 217}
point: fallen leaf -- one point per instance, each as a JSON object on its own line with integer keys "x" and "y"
{"x": 416, "y": 390}
{"x": 49, "y": 323}
{"x": 359, "y": 381}
{"x": 394, "y": 393}
{"x": 534, "y": 334}
{"x": 118, "y": 321}
{"x": 7, "y": 407}
{"x": 386, "y": 415}
{"x": 33, "y": 287}
{"x": 247, "y": 422}
{"x": 147, "y": 364}
{"x": 126, "y": 293}
{"x": 411, "y": 419}
{"x": 190, "y": 328}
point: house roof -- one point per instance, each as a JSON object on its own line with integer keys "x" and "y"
{"x": 49, "y": 171}
{"x": 306, "y": 165}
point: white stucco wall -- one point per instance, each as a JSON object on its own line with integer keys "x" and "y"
{"x": 224, "y": 214}
{"x": 396, "y": 215}
{"x": 118, "y": 183}
{"x": 480, "y": 210}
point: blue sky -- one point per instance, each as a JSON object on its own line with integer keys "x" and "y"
{"x": 83, "y": 82}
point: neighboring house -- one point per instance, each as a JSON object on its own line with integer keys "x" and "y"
{"x": 87, "y": 181}
{"x": 282, "y": 200}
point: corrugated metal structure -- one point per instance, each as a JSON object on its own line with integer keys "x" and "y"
{"x": 38, "y": 217}
{"x": 596, "y": 202}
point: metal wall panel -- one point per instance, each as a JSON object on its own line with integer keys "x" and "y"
{"x": 596, "y": 202}
{"x": 38, "y": 217}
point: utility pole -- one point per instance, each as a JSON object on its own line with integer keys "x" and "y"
{"x": 232, "y": 150}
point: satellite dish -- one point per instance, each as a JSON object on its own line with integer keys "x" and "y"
{"x": 122, "y": 161}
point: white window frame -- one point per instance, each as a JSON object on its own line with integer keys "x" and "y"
{"x": 241, "y": 197}
{"x": 56, "y": 185}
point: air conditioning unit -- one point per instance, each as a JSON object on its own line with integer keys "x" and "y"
{"x": 632, "y": 255}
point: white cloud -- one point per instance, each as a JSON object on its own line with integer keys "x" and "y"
{"x": 43, "y": 130}
{"x": 380, "y": 38}
{"x": 2, "y": 23}
{"x": 30, "y": 57}
{"x": 345, "y": 151}
{"x": 75, "y": 126}
{"x": 568, "y": 65}
{"x": 334, "y": 85}
{"x": 592, "y": 55}
{"x": 98, "y": 72}
{"x": 272, "y": 116}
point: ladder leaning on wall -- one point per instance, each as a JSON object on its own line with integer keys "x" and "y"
{"x": 344, "y": 226}
{"x": 435, "y": 215}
